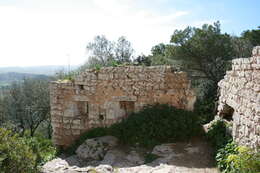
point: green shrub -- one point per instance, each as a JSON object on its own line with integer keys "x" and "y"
{"x": 153, "y": 125}
{"x": 238, "y": 159}
{"x": 42, "y": 148}
{"x": 205, "y": 110}
{"x": 15, "y": 155}
{"x": 230, "y": 157}
{"x": 217, "y": 134}
{"x": 222, "y": 155}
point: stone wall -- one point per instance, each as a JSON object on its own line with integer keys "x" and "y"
{"x": 98, "y": 98}
{"x": 239, "y": 99}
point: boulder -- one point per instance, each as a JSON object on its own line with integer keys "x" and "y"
{"x": 96, "y": 148}
{"x": 163, "y": 150}
{"x": 135, "y": 158}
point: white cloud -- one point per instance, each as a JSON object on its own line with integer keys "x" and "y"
{"x": 47, "y": 36}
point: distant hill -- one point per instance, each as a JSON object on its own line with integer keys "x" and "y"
{"x": 46, "y": 70}
{"x": 7, "y": 78}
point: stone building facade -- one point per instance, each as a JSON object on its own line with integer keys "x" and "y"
{"x": 239, "y": 99}
{"x": 98, "y": 98}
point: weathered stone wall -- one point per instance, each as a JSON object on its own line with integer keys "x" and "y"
{"x": 102, "y": 97}
{"x": 240, "y": 96}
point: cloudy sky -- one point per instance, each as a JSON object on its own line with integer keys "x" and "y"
{"x": 56, "y": 32}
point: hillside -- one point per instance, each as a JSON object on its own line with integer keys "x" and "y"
{"x": 7, "y": 78}
{"x": 46, "y": 70}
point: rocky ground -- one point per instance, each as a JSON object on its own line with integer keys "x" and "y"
{"x": 106, "y": 155}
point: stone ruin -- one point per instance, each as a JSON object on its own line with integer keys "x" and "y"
{"x": 239, "y": 100}
{"x": 99, "y": 98}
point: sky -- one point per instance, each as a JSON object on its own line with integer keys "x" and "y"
{"x": 56, "y": 32}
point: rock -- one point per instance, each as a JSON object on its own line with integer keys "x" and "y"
{"x": 116, "y": 158}
{"x": 96, "y": 148}
{"x": 192, "y": 150}
{"x": 135, "y": 158}
{"x": 56, "y": 165}
{"x": 163, "y": 150}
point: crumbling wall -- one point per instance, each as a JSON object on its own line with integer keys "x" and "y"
{"x": 239, "y": 99}
{"x": 98, "y": 98}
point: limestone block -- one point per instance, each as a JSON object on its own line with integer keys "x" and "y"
{"x": 96, "y": 148}
{"x": 256, "y": 51}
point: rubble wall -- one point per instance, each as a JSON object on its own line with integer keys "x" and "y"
{"x": 240, "y": 96}
{"x": 98, "y": 98}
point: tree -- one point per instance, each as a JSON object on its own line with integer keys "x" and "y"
{"x": 161, "y": 54}
{"x": 204, "y": 50}
{"x": 27, "y": 104}
{"x": 242, "y": 47}
{"x": 143, "y": 60}
{"x": 123, "y": 50}
{"x": 159, "y": 49}
{"x": 101, "y": 51}
{"x": 107, "y": 53}
{"x": 253, "y": 36}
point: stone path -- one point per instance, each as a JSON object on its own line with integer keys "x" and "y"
{"x": 182, "y": 157}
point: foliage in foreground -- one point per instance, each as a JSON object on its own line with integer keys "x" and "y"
{"x": 15, "y": 155}
{"x": 230, "y": 157}
{"x": 153, "y": 125}
{"x": 23, "y": 154}
{"x": 217, "y": 134}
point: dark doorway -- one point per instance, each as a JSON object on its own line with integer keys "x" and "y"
{"x": 227, "y": 113}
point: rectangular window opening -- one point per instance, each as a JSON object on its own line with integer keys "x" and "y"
{"x": 83, "y": 108}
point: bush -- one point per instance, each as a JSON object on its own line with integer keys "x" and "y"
{"x": 205, "y": 110}
{"x": 222, "y": 155}
{"x": 15, "y": 155}
{"x": 238, "y": 159}
{"x": 42, "y": 148}
{"x": 230, "y": 157}
{"x": 153, "y": 125}
{"x": 217, "y": 134}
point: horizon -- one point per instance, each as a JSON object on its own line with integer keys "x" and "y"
{"x": 51, "y": 33}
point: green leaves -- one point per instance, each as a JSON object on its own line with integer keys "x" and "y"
{"x": 23, "y": 154}
{"x": 230, "y": 157}
{"x": 15, "y": 155}
{"x": 153, "y": 125}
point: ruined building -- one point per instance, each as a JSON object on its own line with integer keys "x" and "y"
{"x": 239, "y": 99}
{"x": 102, "y": 97}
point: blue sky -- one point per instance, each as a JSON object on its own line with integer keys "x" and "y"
{"x": 56, "y": 32}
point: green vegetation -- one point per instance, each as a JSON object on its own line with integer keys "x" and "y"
{"x": 26, "y": 105}
{"x": 217, "y": 134}
{"x": 204, "y": 53}
{"x": 253, "y": 36}
{"x": 231, "y": 158}
{"x": 144, "y": 128}
{"x": 23, "y": 154}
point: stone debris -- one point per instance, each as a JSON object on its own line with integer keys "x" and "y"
{"x": 96, "y": 148}
{"x": 163, "y": 150}
{"x": 120, "y": 159}
{"x": 239, "y": 99}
